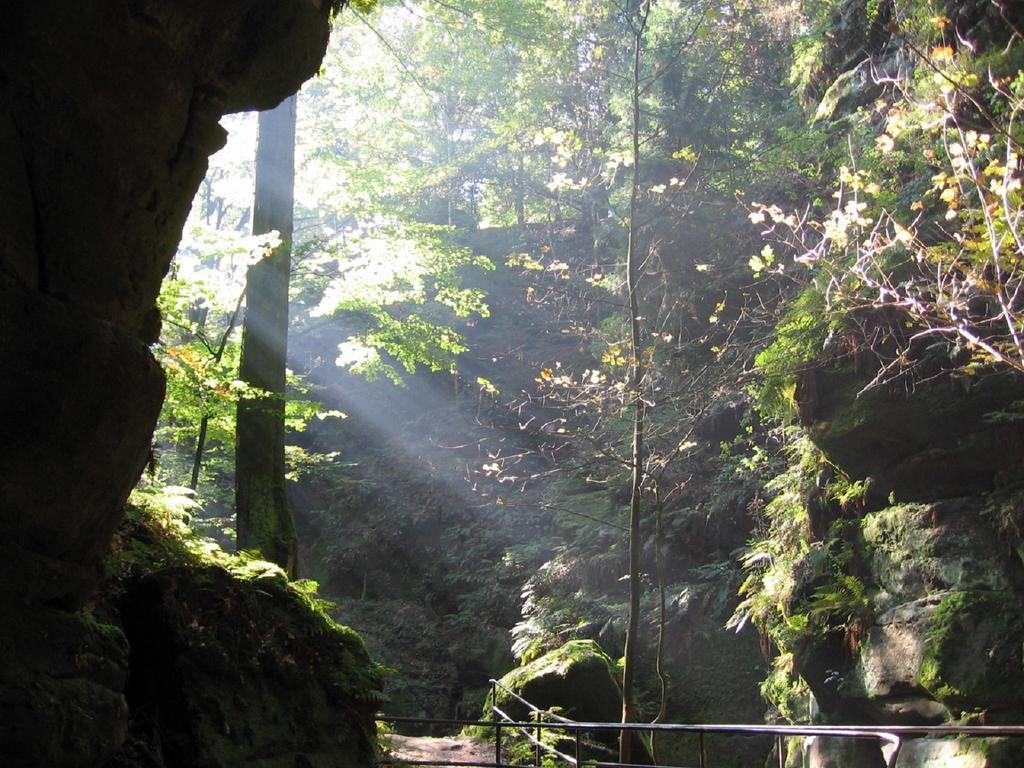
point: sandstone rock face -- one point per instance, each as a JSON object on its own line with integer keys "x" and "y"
{"x": 955, "y": 753}
{"x": 936, "y": 440}
{"x": 108, "y": 112}
{"x": 937, "y": 546}
{"x": 841, "y": 753}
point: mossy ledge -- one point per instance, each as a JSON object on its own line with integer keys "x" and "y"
{"x": 577, "y": 680}
{"x": 230, "y": 663}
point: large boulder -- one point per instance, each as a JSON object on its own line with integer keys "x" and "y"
{"x": 232, "y": 671}
{"x": 940, "y": 438}
{"x": 915, "y": 550}
{"x": 818, "y": 752}
{"x": 231, "y": 664}
{"x": 958, "y": 753}
{"x": 577, "y": 680}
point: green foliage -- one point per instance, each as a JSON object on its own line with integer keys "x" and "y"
{"x": 399, "y": 289}
{"x": 800, "y": 337}
{"x": 363, "y": 6}
{"x": 786, "y": 691}
{"x": 769, "y": 591}
{"x": 925, "y": 231}
{"x": 199, "y": 347}
{"x": 799, "y": 587}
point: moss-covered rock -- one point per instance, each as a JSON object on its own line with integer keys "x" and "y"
{"x": 818, "y": 752}
{"x": 959, "y": 753}
{"x": 934, "y": 659}
{"x": 231, "y": 664}
{"x": 885, "y": 680}
{"x": 921, "y": 549}
{"x": 61, "y": 674}
{"x": 972, "y": 656}
{"x": 578, "y": 680}
{"x": 231, "y": 671}
{"x": 943, "y": 439}
{"x": 940, "y": 525}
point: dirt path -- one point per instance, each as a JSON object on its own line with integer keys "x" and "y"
{"x": 463, "y": 749}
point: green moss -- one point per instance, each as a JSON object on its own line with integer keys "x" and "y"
{"x": 972, "y": 654}
{"x": 786, "y": 691}
{"x": 155, "y": 543}
{"x": 799, "y": 338}
{"x": 578, "y": 679}
{"x": 899, "y": 540}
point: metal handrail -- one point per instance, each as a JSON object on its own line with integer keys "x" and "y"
{"x": 495, "y": 684}
{"x": 855, "y": 732}
{"x": 892, "y": 735}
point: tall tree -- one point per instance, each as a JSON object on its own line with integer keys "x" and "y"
{"x": 636, "y": 17}
{"x": 264, "y": 516}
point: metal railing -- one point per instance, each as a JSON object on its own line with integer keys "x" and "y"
{"x": 533, "y": 729}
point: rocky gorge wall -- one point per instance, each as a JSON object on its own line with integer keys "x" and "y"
{"x": 911, "y": 581}
{"x": 936, "y": 540}
{"x": 108, "y": 113}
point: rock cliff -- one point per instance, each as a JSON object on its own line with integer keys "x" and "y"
{"x": 108, "y": 113}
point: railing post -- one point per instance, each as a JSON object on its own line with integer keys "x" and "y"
{"x": 537, "y": 749}
{"x": 497, "y": 722}
{"x": 579, "y": 751}
{"x": 703, "y": 763}
{"x": 782, "y": 754}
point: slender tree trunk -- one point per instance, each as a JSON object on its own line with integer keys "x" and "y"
{"x": 520, "y": 193}
{"x": 264, "y": 516}
{"x": 197, "y": 459}
{"x": 659, "y": 553}
{"x": 637, "y": 24}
